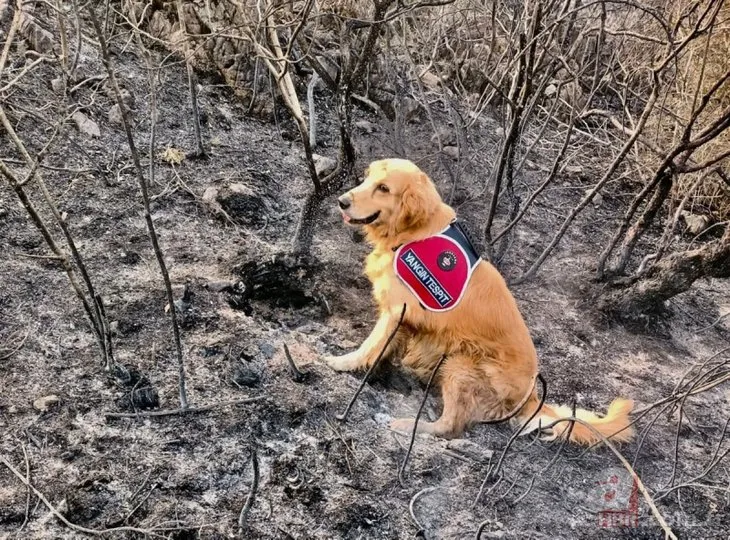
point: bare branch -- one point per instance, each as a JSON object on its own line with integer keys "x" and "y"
{"x": 401, "y": 471}
{"x": 640, "y": 485}
{"x": 243, "y": 516}
{"x": 145, "y": 196}
{"x": 343, "y": 417}
{"x": 60, "y": 516}
{"x": 183, "y": 411}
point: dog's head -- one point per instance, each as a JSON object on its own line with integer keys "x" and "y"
{"x": 395, "y": 196}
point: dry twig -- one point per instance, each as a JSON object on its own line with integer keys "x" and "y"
{"x": 15, "y": 348}
{"x": 343, "y": 417}
{"x": 491, "y": 473}
{"x": 62, "y": 518}
{"x": 91, "y": 306}
{"x": 187, "y": 410}
{"x": 126, "y": 123}
{"x": 296, "y": 375}
{"x": 401, "y": 471}
{"x": 640, "y": 485}
{"x": 421, "y": 533}
{"x": 192, "y": 84}
{"x": 251, "y": 492}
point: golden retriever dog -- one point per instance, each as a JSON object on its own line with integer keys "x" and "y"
{"x": 491, "y": 362}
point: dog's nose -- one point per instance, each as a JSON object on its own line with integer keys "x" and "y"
{"x": 344, "y": 202}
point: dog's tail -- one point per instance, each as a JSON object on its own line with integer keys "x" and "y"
{"x": 615, "y": 425}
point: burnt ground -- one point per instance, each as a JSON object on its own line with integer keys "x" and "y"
{"x": 189, "y": 476}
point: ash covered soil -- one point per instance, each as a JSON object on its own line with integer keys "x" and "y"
{"x": 188, "y": 476}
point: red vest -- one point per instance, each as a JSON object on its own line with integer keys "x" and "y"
{"x": 437, "y": 269}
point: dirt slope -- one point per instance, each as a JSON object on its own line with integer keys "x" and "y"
{"x": 189, "y": 475}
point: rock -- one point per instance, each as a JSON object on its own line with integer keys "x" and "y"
{"x": 430, "y": 80}
{"x": 210, "y": 200}
{"x": 58, "y": 85}
{"x": 86, "y": 125}
{"x": 696, "y": 223}
{"x": 210, "y": 195}
{"x": 115, "y": 115}
{"x": 40, "y": 39}
{"x": 44, "y": 403}
{"x": 573, "y": 169}
{"x": 572, "y": 94}
{"x": 241, "y": 204}
{"x": 452, "y": 152}
{"x": 550, "y": 90}
{"x": 365, "y": 126}
{"x": 268, "y": 350}
{"x": 240, "y": 189}
{"x": 324, "y": 165}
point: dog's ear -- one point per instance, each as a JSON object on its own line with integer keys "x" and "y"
{"x": 417, "y": 203}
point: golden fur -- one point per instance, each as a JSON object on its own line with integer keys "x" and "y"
{"x": 491, "y": 361}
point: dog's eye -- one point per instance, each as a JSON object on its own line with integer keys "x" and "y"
{"x": 383, "y": 188}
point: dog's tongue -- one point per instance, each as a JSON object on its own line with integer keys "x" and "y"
{"x": 346, "y": 217}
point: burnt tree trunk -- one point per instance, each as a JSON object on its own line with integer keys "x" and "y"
{"x": 309, "y": 214}
{"x": 644, "y": 222}
{"x": 351, "y": 75}
{"x": 670, "y": 276}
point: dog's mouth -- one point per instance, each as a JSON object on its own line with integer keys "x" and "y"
{"x": 363, "y": 221}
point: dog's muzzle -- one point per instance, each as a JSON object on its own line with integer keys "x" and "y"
{"x": 363, "y": 221}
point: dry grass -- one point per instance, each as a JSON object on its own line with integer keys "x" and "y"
{"x": 700, "y": 67}
{"x": 474, "y": 50}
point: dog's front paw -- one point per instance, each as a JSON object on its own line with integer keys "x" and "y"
{"x": 404, "y": 425}
{"x": 346, "y": 362}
